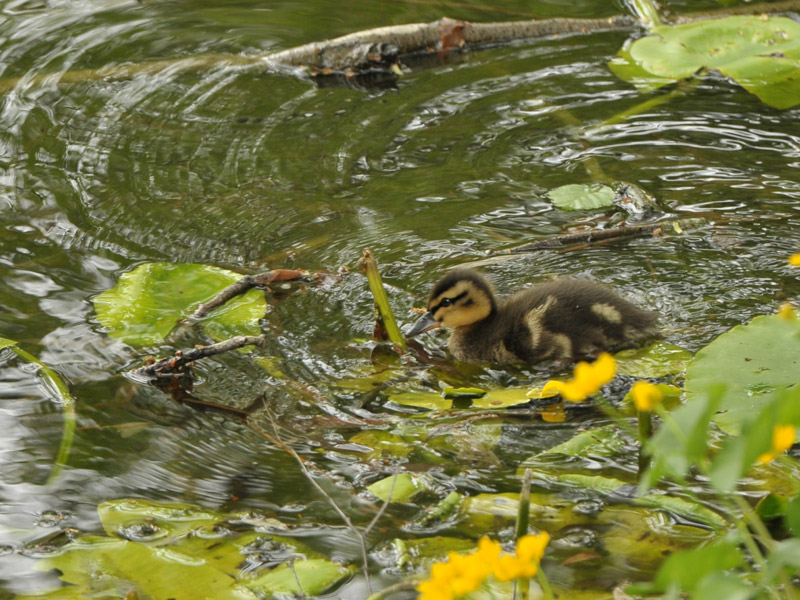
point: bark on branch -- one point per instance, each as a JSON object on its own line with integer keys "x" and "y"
{"x": 182, "y": 359}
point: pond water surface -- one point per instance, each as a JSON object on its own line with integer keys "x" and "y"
{"x": 248, "y": 170}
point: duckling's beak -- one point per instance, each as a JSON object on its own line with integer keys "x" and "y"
{"x": 424, "y": 323}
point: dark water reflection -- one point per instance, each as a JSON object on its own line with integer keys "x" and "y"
{"x": 248, "y": 170}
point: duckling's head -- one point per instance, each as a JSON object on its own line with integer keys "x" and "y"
{"x": 460, "y": 298}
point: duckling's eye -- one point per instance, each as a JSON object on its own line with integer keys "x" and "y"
{"x": 446, "y": 302}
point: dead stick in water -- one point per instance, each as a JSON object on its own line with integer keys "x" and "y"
{"x": 369, "y": 266}
{"x": 182, "y": 358}
{"x": 245, "y": 284}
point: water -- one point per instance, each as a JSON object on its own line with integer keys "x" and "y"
{"x": 248, "y": 170}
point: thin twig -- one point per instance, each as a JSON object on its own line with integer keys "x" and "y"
{"x": 182, "y": 358}
{"x": 302, "y": 464}
{"x": 290, "y": 565}
{"x": 382, "y": 510}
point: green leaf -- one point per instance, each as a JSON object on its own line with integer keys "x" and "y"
{"x": 149, "y": 301}
{"x": 171, "y": 519}
{"x": 429, "y": 400}
{"x": 463, "y": 392}
{"x": 315, "y": 577}
{"x": 406, "y": 486}
{"x": 6, "y": 343}
{"x": 502, "y": 398}
{"x": 109, "y": 568}
{"x": 793, "y": 516}
{"x": 686, "y": 569}
{"x": 682, "y": 440}
{"x": 754, "y": 361}
{"x": 722, "y": 585}
{"x": 760, "y": 54}
{"x": 579, "y": 196}
{"x": 383, "y": 443}
{"x": 656, "y": 360}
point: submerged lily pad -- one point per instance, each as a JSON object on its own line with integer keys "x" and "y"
{"x": 98, "y": 567}
{"x": 760, "y": 54}
{"x": 149, "y": 301}
{"x": 754, "y": 361}
{"x": 656, "y": 360}
{"x": 579, "y": 196}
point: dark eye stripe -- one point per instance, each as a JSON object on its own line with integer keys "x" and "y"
{"x": 452, "y": 300}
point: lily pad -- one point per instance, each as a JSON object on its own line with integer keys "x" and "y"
{"x": 755, "y": 361}
{"x": 148, "y": 302}
{"x": 579, "y": 196}
{"x": 402, "y": 487}
{"x": 315, "y": 576}
{"x": 383, "y": 444}
{"x": 98, "y": 567}
{"x": 656, "y": 360}
{"x": 429, "y": 400}
{"x": 760, "y": 54}
{"x": 172, "y": 519}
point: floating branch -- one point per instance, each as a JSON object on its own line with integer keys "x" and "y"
{"x": 385, "y": 44}
{"x": 245, "y": 284}
{"x": 586, "y": 237}
{"x": 179, "y": 362}
{"x": 378, "y": 49}
{"x": 600, "y": 235}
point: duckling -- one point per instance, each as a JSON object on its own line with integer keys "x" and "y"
{"x": 562, "y": 319}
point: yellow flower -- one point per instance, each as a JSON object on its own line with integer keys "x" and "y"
{"x": 463, "y": 574}
{"x": 587, "y": 379}
{"x": 645, "y": 396}
{"x": 783, "y": 437}
{"x": 787, "y": 312}
{"x": 531, "y": 547}
{"x": 794, "y": 260}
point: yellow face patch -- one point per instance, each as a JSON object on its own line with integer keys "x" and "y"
{"x": 460, "y": 305}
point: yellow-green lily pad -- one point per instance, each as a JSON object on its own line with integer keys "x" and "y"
{"x": 762, "y": 54}
{"x": 148, "y": 302}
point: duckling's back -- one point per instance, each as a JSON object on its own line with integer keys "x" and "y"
{"x": 573, "y": 318}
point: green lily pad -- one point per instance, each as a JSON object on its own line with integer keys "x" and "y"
{"x": 429, "y": 400}
{"x": 98, "y": 567}
{"x": 580, "y": 196}
{"x": 656, "y": 360}
{"x": 315, "y": 577}
{"x": 149, "y": 301}
{"x": 171, "y": 519}
{"x": 755, "y": 361}
{"x": 383, "y": 443}
{"x": 402, "y": 487}
{"x": 760, "y": 54}
{"x": 502, "y": 398}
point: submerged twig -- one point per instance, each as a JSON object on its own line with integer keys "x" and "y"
{"x": 182, "y": 358}
{"x": 583, "y": 237}
{"x": 302, "y": 464}
{"x": 599, "y": 235}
